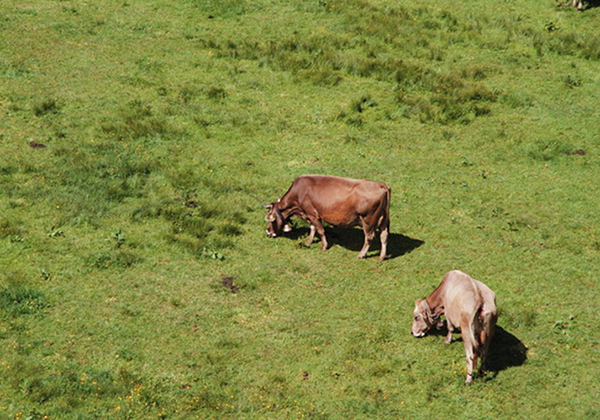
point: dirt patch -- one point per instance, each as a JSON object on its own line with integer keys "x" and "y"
{"x": 36, "y": 145}
{"x": 228, "y": 283}
{"x": 579, "y": 152}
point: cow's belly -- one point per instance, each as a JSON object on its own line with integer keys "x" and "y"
{"x": 340, "y": 219}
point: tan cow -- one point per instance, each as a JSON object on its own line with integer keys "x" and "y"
{"x": 466, "y": 303}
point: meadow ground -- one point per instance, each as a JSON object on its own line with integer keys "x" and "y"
{"x": 139, "y": 140}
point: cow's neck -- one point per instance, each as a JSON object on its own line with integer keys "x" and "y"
{"x": 287, "y": 207}
{"x": 435, "y": 301}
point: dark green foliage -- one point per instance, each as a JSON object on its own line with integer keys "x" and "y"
{"x": 13, "y": 69}
{"x": 547, "y": 150}
{"x": 568, "y": 44}
{"x": 17, "y": 301}
{"x": 229, "y": 229}
{"x": 122, "y": 258}
{"x": 137, "y": 120}
{"x": 216, "y": 93}
{"x": 221, "y": 9}
{"x": 73, "y": 385}
{"x": 453, "y": 100}
{"x": 46, "y": 106}
{"x": 10, "y": 228}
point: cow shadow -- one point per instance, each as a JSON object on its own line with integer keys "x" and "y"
{"x": 589, "y": 4}
{"x": 505, "y": 351}
{"x": 352, "y": 239}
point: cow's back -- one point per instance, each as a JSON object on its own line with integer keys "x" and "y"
{"x": 339, "y": 201}
{"x": 489, "y": 298}
{"x": 337, "y": 186}
{"x": 461, "y": 297}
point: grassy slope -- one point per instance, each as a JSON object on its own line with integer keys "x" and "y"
{"x": 167, "y": 126}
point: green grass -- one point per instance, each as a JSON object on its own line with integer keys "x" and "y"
{"x": 168, "y": 124}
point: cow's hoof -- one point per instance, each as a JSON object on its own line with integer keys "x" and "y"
{"x": 469, "y": 380}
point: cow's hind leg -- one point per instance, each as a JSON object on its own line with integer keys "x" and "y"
{"x": 486, "y": 337}
{"x": 383, "y": 237}
{"x": 471, "y": 349}
{"x": 311, "y": 236}
{"x": 369, "y": 235}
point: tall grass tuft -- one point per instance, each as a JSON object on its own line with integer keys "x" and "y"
{"x": 46, "y": 106}
{"x": 136, "y": 120}
{"x": 16, "y": 301}
{"x": 546, "y": 150}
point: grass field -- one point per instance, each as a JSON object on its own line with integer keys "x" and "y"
{"x": 139, "y": 140}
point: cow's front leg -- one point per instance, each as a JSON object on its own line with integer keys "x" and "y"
{"x": 316, "y": 226}
{"x": 448, "y": 339}
{"x": 471, "y": 365}
{"x": 311, "y": 236}
{"x": 321, "y": 231}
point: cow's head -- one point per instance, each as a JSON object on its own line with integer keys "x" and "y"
{"x": 423, "y": 318}
{"x": 275, "y": 221}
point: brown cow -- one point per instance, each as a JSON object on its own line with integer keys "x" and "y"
{"x": 466, "y": 303}
{"x": 341, "y": 202}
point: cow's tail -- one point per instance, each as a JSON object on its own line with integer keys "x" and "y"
{"x": 388, "y": 198}
{"x": 487, "y": 321}
{"x": 477, "y": 326}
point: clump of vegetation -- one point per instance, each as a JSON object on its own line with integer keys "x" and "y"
{"x": 453, "y": 100}
{"x": 10, "y": 228}
{"x": 17, "y": 301}
{"x": 46, "y": 106}
{"x": 136, "y": 120}
{"x": 546, "y": 150}
{"x": 352, "y": 115}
